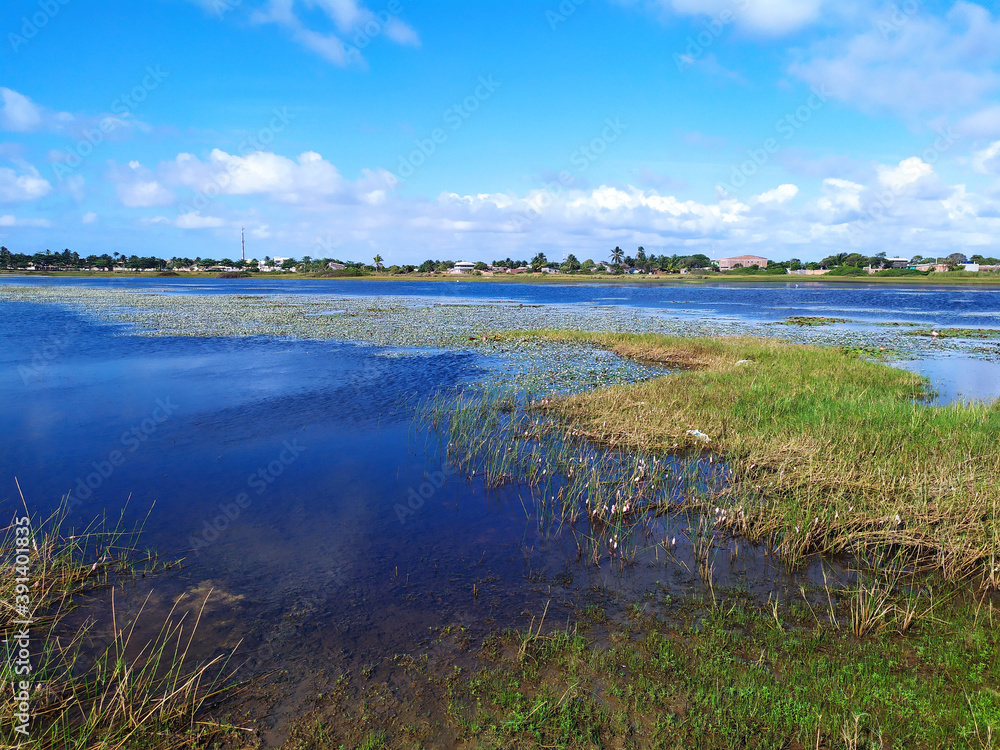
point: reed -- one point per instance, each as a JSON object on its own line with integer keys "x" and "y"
{"x": 128, "y": 693}
{"x": 825, "y": 451}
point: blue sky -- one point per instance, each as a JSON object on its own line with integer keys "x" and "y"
{"x": 342, "y": 128}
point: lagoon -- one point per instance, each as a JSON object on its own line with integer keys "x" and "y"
{"x": 292, "y": 476}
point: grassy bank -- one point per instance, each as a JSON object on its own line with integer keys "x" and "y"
{"x": 830, "y": 452}
{"x": 669, "y": 673}
{"x": 67, "y": 691}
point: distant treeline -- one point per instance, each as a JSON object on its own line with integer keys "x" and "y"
{"x": 617, "y": 262}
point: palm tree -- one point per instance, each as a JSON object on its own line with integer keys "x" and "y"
{"x": 378, "y": 262}
{"x": 617, "y": 255}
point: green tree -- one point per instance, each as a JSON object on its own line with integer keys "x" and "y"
{"x": 539, "y": 262}
{"x": 617, "y": 255}
{"x": 378, "y": 262}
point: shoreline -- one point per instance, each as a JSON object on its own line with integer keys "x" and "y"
{"x": 554, "y": 279}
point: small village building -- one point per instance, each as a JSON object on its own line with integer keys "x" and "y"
{"x": 742, "y": 261}
{"x": 463, "y": 267}
{"x": 336, "y": 266}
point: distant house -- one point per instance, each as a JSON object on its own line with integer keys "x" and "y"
{"x": 463, "y": 267}
{"x": 546, "y": 269}
{"x": 336, "y": 266}
{"x": 896, "y": 262}
{"x": 810, "y": 271}
{"x": 742, "y": 261}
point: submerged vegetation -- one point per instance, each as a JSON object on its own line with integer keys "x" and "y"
{"x": 959, "y": 333}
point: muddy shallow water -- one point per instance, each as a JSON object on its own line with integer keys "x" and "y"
{"x": 292, "y": 478}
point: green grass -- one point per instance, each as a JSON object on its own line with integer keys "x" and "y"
{"x": 735, "y": 677}
{"x": 829, "y": 452}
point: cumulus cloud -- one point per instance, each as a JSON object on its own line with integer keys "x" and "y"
{"x": 18, "y": 112}
{"x": 306, "y": 179}
{"x": 918, "y": 65}
{"x": 89, "y": 218}
{"x": 27, "y": 186}
{"x": 906, "y": 173}
{"x": 780, "y": 194}
{"x": 137, "y": 187}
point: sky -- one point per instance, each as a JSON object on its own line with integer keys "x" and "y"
{"x": 480, "y": 131}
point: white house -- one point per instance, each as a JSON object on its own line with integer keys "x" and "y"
{"x": 463, "y": 267}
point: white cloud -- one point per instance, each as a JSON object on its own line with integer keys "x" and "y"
{"x": 7, "y": 220}
{"x": 307, "y": 179}
{"x": 924, "y": 65}
{"x": 354, "y": 26}
{"x": 764, "y": 17}
{"x": 144, "y": 193}
{"x": 16, "y": 188}
{"x": 18, "y": 112}
{"x": 984, "y": 123}
{"x": 780, "y": 194}
{"x": 195, "y": 220}
{"x": 987, "y": 161}
{"x": 89, "y": 218}
{"x": 906, "y": 173}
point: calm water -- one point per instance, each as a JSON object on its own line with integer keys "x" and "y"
{"x": 278, "y": 468}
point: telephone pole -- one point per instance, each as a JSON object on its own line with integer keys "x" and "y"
{"x": 243, "y": 243}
